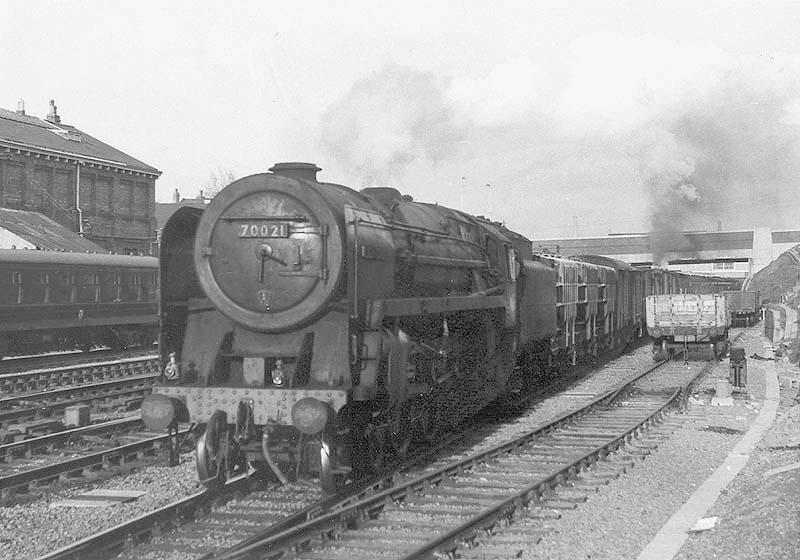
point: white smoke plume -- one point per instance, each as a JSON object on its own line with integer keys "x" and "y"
{"x": 388, "y": 120}
{"x": 615, "y": 128}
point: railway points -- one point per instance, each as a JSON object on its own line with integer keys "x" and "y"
{"x": 32, "y": 400}
{"x": 547, "y": 408}
{"x": 123, "y": 457}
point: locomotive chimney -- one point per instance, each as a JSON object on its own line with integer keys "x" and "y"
{"x": 296, "y": 170}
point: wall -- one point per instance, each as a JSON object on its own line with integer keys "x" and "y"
{"x": 118, "y": 208}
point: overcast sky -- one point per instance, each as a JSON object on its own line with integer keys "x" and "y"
{"x": 615, "y": 117}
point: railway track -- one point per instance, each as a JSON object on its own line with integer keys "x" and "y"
{"x": 443, "y": 506}
{"x": 454, "y": 506}
{"x": 27, "y": 447}
{"x": 119, "y": 383}
{"x": 25, "y": 419}
{"x": 42, "y": 375}
{"x": 120, "y": 456}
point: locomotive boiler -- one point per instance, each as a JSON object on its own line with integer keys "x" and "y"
{"x": 310, "y": 329}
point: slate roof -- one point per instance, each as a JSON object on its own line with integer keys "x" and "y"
{"x": 43, "y": 232}
{"x": 25, "y": 131}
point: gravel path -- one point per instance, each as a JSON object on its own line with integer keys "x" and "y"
{"x": 622, "y": 517}
{"x": 33, "y": 529}
{"x": 759, "y": 514}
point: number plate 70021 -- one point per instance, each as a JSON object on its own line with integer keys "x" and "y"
{"x": 274, "y": 229}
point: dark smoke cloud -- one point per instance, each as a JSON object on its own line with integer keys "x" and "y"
{"x": 389, "y": 120}
{"x": 731, "y": 157}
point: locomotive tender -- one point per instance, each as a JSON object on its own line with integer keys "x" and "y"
{"x": 310, "y": 329}
{"x": 52, "y": 300}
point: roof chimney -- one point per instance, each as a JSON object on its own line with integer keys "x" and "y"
{"x": 21, "y": 107}
{"x": 52, "y": 116}
{"x": 296, "y": 170}
{"x": 176, "y": 196}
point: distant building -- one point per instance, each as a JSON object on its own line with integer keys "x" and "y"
{"x": 85, "y": 185}
{"x": 735, "y": 254}
{"x": 165, "y": 210}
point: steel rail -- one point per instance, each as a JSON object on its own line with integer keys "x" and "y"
{"x": 65, "y": 391}
{"x": 33, "y": 365}
{"x": 98, "y": 546}
{"x": 486, "y": 520}
{"x": 56, "y": 470}
{"x": 37, "y": 411}
{"x": 104, "y": 543}
{"x": 108, "y": 370}
{"x": 9, "y": 449}
{"x": 109, "y": 542}
{"x": 274, "y": 540}
{"x": 110, "y": 392}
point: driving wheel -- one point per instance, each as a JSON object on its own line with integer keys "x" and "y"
{"x": 212, "y": 450}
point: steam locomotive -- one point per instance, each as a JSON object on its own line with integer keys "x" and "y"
{"x": 309, "y": 329}
{"x": 51, "y": 300}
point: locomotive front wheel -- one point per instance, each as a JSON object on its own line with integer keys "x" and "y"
{"x": 212, "y": 450}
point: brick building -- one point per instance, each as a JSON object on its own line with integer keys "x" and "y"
{"x": 87, "y": 186}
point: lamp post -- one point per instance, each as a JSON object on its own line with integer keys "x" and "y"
{"x": 461, "y": 194}
{"x": 489, "y": 188}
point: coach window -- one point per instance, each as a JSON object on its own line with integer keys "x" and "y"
{"x": 69, "y": 282}
{"x": 16, "y": 279}
{"x": 118, "y": 287}
{"x": 96, "y": 286}
{"x": 44, "y": 280}
{"x": 137, "y": 282}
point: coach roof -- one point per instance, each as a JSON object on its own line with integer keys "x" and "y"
{"x": 32, "y": 256}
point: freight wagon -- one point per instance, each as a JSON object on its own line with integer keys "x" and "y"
{"x": 744, "y": 307}
{"x": 692, "y": 323}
